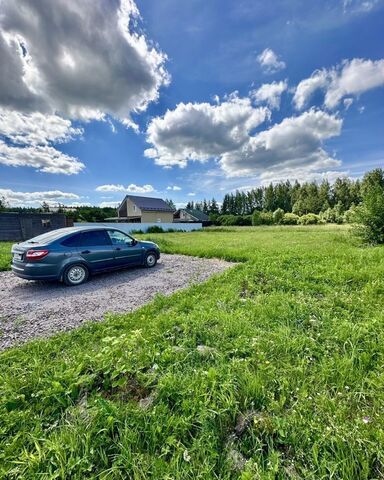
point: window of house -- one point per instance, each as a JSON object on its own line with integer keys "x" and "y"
{"x": 46, "y": 222}
{"x": 134, "y": 208}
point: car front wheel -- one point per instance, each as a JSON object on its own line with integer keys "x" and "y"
{"x": 150, "y": 260}
{"x": 75, "y": 275}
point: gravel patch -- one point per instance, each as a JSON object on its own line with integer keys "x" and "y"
{"x": 39, "y": 309}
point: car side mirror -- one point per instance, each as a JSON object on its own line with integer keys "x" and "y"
{"x": 134, "y": 242}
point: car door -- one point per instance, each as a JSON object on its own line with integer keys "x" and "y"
{"x": 126, "y": 249}
{"x": 96, "y": 249}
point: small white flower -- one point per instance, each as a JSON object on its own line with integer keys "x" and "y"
{"x": 186, "y": 456}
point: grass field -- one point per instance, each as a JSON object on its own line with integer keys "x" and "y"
{"x": 291, "y": 386}
{"x": 5, "y": 255}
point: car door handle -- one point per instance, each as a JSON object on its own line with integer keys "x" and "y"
{"x": 86, "y": 251}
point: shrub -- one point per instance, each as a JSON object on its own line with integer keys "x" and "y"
{"x": 350, "y": 216}
{"x": 278, "y": 215}
{"x": 309, "y": 219}
{"x": 262, "y": 218}
{"x": 370, "y": 216}
{"x": 231, "y": 220}
{"x": 333, "y": 215}
{"x": 290, "y": 219}
{"x": 136, "y": 232}
{"x": 155, "y": 229}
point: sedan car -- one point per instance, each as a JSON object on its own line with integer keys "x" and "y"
{"x": 72, "y": 254}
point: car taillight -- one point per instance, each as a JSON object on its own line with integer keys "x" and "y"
{"x": 36, "y": 254}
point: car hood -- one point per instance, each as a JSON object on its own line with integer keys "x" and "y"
{"x": 148, "y": 244}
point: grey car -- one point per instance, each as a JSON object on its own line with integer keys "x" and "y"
{"x": 73, "y": 254}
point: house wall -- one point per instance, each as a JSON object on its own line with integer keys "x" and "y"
{"x": 156, "y": 217}
{"x": 132, "y": 209}
{"x": 185, "y": 217}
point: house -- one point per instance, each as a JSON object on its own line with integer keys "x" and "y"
{"x": 190, "y": 215}
{"x": 144, "y": 210}
{"x": 17, "y": 226}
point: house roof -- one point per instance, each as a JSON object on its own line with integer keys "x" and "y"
{"x": 198, "y": 214}
{"x": 149, "y": 203}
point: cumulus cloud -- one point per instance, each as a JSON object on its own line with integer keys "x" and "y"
{"x": 109, "y": 204}
{"x": 35, "y": 128}
{"x": 17, "y": 199}
{"x": 132, "y": 188}
{"x": 226, "y": 132}
{"x": 270, "y": 93}
{"x": 81, "y": 59}
{"x": 350, "y": 78}
{"x": 42, "y": 157}
{"x": 63, "y": 61}
{"x": 174, "y": 188}
{"x": 296, "y": 142}
{"x": 270, "y": 62}
{"x": 199, "y": 131}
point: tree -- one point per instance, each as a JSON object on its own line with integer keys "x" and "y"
{"x": 3, "y": 204}
{"x": 170, "y": 203}
{"x": 370, "y": 214}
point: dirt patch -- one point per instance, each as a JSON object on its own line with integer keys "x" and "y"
{"x": 35, "y": 309}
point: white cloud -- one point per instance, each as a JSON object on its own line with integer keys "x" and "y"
{"x": 359, "y": 6}
{"x": 191, "y": 194}
{"x": 350, "y": 78}
{"x": 36, "y": 128}
{"x": 296, "y": 142}
{"x": 132, "y": 188}
{"x": 63, "y": 61}
{"x": 42, "y": 157}
{"x": 347, "y": 102}
{"x": 270, "y": 62}
{"x": 199, "y": 131}
{"x": 25, "y": 142}
{"x": 109, "y": 204}
{"x": 81, "y": 59}
{"x": 17, "y": 199}
{"x": 305, "y": 89}
{"x": 174, "y": 188}
{"x": 270, "y": 93}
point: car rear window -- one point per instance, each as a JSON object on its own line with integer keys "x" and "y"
{"x": 95, "y": 238}
{"x": 49, "y": 236}
{"x": 72, "y": 241}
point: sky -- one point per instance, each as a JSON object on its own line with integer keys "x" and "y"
{"x": 185, "y": 100}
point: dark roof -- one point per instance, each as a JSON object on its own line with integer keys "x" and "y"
{"x": 197, "y": 214}
{"x": 149, "y": 203}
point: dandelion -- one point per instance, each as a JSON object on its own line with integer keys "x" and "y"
{"x": 186, "y": 456}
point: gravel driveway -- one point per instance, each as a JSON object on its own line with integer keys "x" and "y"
{"x": 36, "y": 309}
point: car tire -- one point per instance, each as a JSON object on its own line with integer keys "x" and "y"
{"x": 75, "y": 275}
{"x": 150, "y": 260}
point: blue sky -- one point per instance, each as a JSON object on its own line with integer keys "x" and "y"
{"x": 186, "y": 100}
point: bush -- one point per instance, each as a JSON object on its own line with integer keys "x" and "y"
{"x": 370, "y": 216}
{"x": 290, "y": 219}
{"x": 278, "y": 215}
{"x": 262, "y": 218}
{"x": 155, "y": 229}
{"x": 333, "y": 215}
{"x": 309, "y": 219}
{"x": 232, "y": 220}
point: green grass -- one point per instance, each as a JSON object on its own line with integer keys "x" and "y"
{"x": 5, "y": 255}
{"x": 296, "y": 336}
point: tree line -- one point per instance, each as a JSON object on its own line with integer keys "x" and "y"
{"x": 298, "y": 198}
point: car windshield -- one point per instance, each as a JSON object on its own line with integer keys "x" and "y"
{"x": 50, "y": 236}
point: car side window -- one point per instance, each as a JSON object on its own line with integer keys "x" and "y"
{"x": 72, "y": 241}
{"x": 95, "y": 238}
{"x": 119, "y": 238}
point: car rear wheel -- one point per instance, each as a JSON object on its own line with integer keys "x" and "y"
{"x": 75, "y": 275}
{"x": 150, "y": 260}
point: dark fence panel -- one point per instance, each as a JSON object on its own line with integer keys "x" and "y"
{"x": 22, "y": 226}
